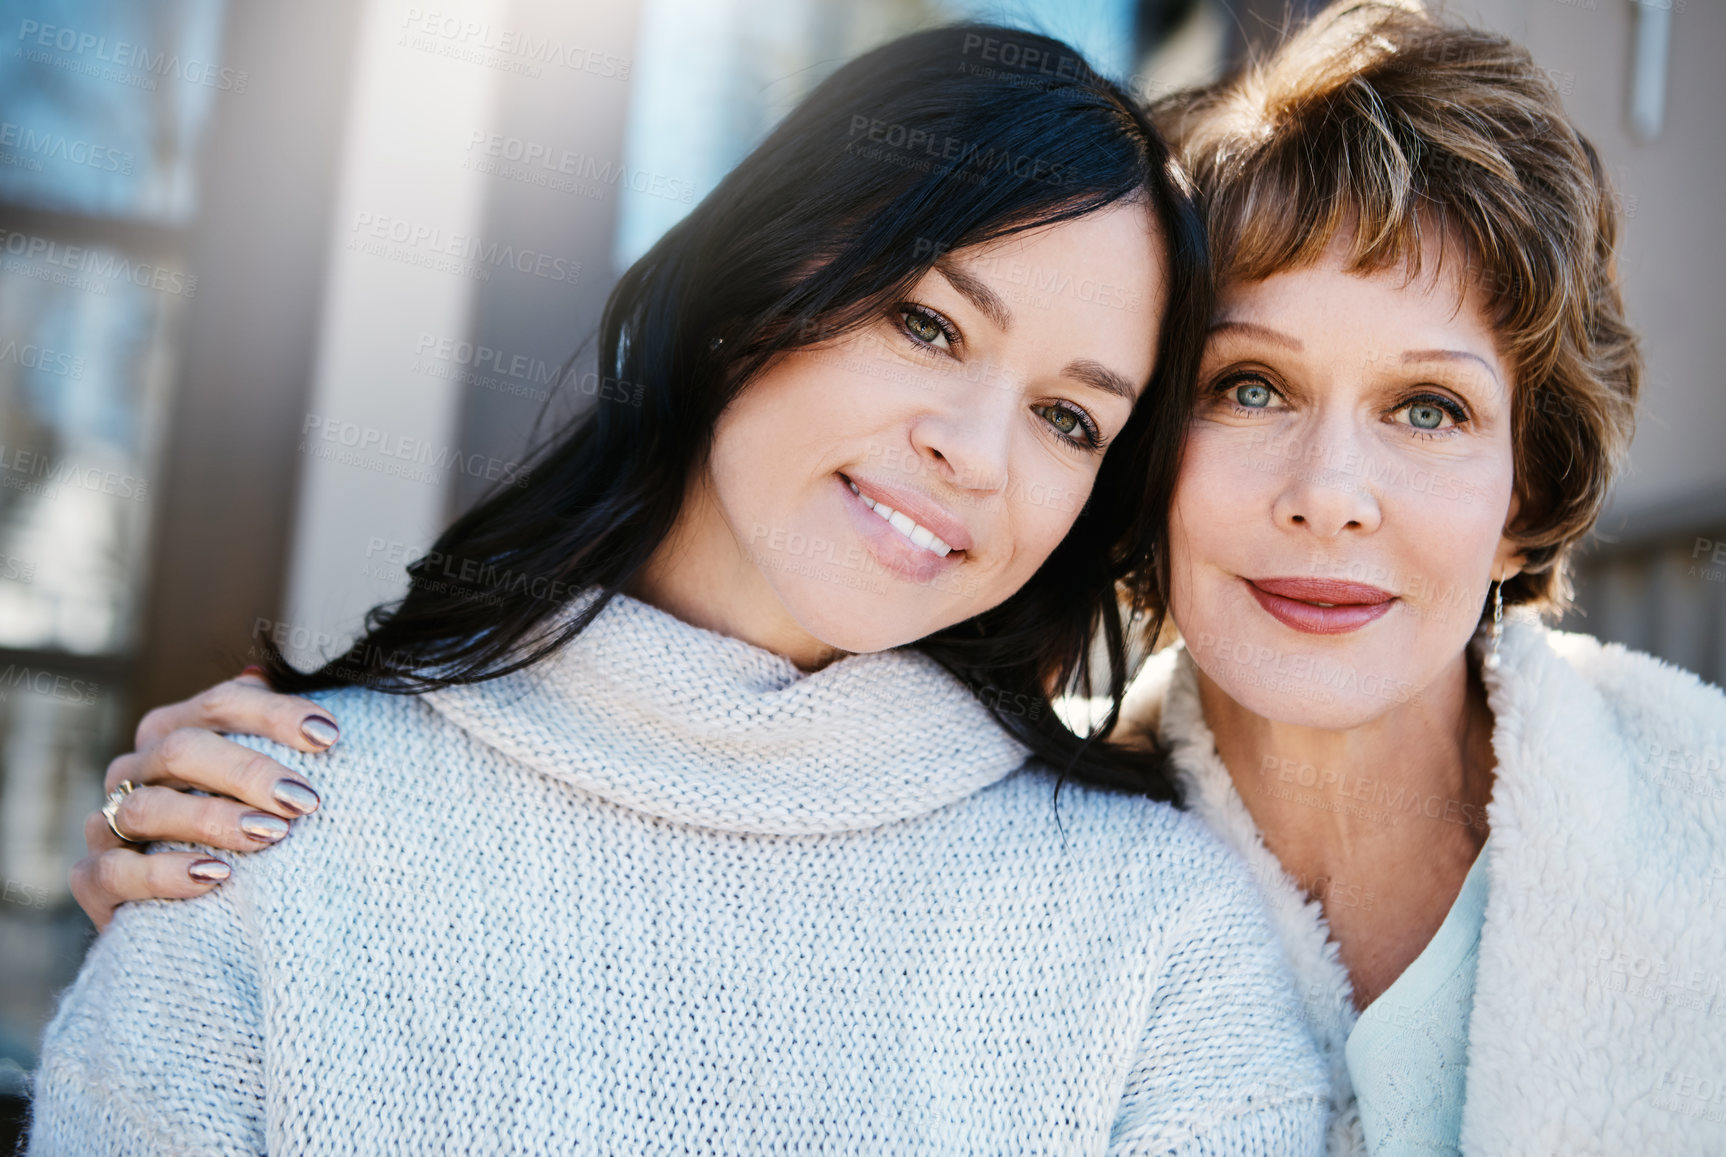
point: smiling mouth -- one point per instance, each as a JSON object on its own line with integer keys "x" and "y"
{"x": 913, "y": 532}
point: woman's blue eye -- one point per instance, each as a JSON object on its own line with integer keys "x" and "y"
{"x": 1253, "y": 395}
{"x": 1425, "y": 416}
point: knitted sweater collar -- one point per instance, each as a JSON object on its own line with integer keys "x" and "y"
{"x": 656, "y": 715}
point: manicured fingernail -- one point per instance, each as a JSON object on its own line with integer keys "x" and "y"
{"x": 293, "y": 794}
{"x": 209, "y": 871}
{"x": 263, "y": 827}
{"x": 320, "y": 729}
{"x": 254, "y": 669}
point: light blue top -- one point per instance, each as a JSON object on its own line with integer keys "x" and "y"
{"x": 1408, "y": 1053}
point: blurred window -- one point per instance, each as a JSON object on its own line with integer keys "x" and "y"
{"x": 105, "y": 103}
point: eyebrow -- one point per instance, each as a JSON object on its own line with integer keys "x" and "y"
{"x": 1252, "y": 329}
{"x": 1092, "y": 373}
{"x": 1276, "y": 337}
{"x": 1449, "y": 356}
{"x": 1101, "y": 377}
{"x": 987, "y": 301}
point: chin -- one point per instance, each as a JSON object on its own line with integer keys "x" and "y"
{"x": 1302, "y": 703}
{"x": 1334, "y": 683}
{"x": 863, "y": 621}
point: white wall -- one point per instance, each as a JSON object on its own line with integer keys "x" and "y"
{"x": 415, "y": 97}
{"x": 1673, "y": 251}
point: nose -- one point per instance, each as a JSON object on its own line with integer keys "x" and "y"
{"x": 1328, "y": 491}
{"x": 966, "y": 437}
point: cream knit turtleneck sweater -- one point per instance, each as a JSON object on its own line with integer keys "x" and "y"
{"x": 663, "y": 893}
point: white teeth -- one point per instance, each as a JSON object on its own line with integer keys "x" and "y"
{"x": 919, "y": 535}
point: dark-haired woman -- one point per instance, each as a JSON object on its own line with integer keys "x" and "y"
{"x": 741, "y": 850}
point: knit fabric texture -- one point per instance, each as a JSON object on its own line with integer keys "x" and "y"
{"x": 664, "y": 893}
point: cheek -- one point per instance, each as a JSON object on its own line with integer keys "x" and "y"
{"x": 1448, "y": 534}
{"x": 778, "y": 431}
{"x": 1043, "y": 514}
{"x": 1219, "y": 499}
{"x": 1231, "y": 474}
{"x": 739, "y": 469}
{"x": 1043, "y": 498}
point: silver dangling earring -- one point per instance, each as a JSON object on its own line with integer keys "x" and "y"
{"x": 1490, "y": 663}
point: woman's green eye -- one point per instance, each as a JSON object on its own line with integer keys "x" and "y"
{"x": 1061, "y": 419}
{"x": 1253, "y": 395}
{"x": 1425, "y": 417}
{"x": 922, "y": 328}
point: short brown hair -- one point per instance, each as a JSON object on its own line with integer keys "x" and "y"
{"x": 1382, "y": 119}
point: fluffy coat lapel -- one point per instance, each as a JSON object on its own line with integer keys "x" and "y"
{"x": 1167, "y": 688}
{"x": 1599, "y": 1021}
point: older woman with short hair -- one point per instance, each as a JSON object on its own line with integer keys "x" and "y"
{"x": 1486, "y": 850}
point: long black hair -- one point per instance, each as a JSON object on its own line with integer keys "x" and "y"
{"x": 936, "y": 141}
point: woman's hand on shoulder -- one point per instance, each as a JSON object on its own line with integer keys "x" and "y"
{"x": 251, "y": 802}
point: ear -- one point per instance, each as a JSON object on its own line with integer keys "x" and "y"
{"x": 1508, "y": 560}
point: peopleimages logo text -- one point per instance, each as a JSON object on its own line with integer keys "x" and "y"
{"x": 370, "y": 447}
{"x": 101, "y": 263}
{"x": 412, "y": 235}
{"x": 30, "y": 143}
{"x": 124, "y": 54}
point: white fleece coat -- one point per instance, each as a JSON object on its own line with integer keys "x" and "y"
{"x": 1599, "y": 1022}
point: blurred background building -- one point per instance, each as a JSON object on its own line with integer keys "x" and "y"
{"x": 285, "y": 286}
